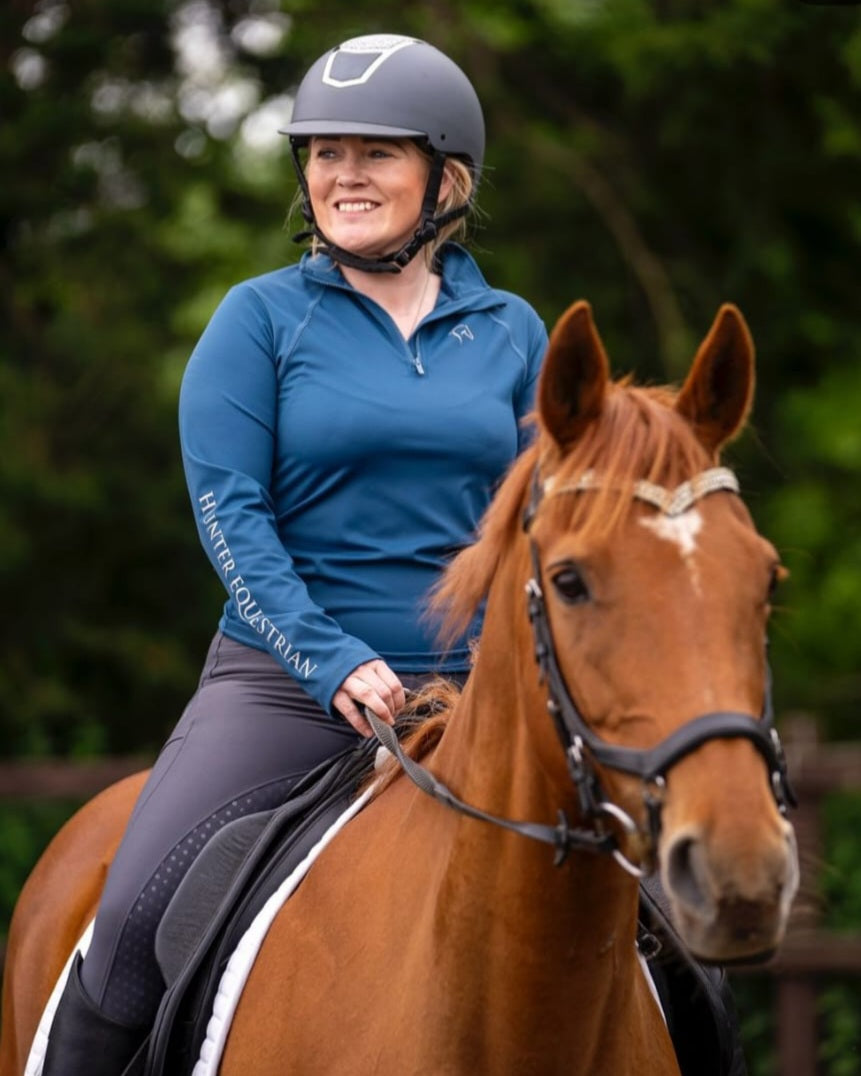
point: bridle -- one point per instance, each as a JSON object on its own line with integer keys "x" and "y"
{"x": 583, "y": 748}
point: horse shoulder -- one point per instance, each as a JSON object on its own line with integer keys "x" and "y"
{"x": 54, "y": 908}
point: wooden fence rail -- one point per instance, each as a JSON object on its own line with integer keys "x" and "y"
{"x": 63, "y": 779}
{"x": 809, "y": 955}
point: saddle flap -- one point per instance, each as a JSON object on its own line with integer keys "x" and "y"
{"x": 201, "y": 892}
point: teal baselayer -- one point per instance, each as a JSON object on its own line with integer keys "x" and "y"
{"x": 335, "y": 467}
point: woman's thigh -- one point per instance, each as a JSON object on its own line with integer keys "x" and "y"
{"x": 248, "y": 734}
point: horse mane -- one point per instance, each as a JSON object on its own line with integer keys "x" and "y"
{"x": 639, "y": 435}
{"x": 428, "y": 711}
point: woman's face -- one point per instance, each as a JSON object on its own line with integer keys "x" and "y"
{"x": 367, "y": 193}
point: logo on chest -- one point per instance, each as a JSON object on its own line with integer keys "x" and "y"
{"x": 462, "y": 332}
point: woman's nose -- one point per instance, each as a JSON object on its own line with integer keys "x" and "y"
{"x": 351, "y": 172}
{"x": 351, "y": 179}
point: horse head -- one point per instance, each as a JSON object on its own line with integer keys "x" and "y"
{"x": 658, "y": 594}
{"x": 649, "y": 591}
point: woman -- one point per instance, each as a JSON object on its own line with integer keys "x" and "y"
{"x": 343, "y": 424}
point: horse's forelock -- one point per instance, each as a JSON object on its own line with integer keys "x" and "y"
{"x": 639, "y": 435}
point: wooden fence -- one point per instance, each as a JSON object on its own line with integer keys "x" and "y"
{"x": 809, "y": 955}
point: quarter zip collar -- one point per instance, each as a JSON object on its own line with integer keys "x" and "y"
{"x": 463, "y": 286}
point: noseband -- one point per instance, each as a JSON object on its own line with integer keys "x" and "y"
{"x": 582, "y": 746}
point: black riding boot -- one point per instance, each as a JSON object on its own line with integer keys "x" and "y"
{"x": 85, "y": 1042}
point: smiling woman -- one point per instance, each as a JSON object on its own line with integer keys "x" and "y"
{"x": 343, "y": 422}
{"x": 391, "y": 166}
{"x": 366, "y": 193}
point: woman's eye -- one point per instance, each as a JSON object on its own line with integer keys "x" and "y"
{"x": 570, "y": 586}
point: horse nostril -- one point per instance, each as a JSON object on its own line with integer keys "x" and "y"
{"x": 686, "y": 876}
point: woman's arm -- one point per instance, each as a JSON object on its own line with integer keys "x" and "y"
{"x": 227, "y": 417}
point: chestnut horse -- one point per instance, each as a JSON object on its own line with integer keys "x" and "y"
{"x": 426, "y": 941}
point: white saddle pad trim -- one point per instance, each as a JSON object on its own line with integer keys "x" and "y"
{"x": 651, "y": 983}
{"x": 36, "y": 1057}
{"x": 239, "y": 966}
{"x": 233, "y": 978}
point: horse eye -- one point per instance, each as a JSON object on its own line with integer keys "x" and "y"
{"x": 778, "y": 574}
{"x": 570, "y": 586}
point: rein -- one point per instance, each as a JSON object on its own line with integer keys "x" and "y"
{"x": 582, "y": 746}
{"x": 561, "y": 836}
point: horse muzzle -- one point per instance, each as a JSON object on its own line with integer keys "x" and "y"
{"x": 730, "y": 906}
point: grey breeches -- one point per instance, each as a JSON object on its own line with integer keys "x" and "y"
{"x": 248, "y": 734}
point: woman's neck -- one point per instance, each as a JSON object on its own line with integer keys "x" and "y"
{"x": 407, "y": 296}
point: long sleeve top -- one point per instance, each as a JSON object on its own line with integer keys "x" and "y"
{"x": 335, "y": 467}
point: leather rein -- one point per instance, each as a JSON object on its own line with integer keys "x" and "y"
{"x": 583, "y": 748}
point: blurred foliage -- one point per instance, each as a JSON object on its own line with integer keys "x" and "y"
{"x": 840, "y": 872}
{"x": 840, "y": 1023}
{"x": 840, "y": 898}
{"x": 656, "y": 156}
{"x": 755, "y": 1001}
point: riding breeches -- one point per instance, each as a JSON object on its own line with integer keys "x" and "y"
{"x": 246, "y": 737}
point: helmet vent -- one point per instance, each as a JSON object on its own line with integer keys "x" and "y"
{"x": 353, "y": 63}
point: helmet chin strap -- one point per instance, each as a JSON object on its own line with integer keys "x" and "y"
{"x": 427, "y": 231}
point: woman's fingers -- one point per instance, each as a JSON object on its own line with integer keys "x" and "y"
{"x": 396, "y": 693}
{"x": 373, "y": 685}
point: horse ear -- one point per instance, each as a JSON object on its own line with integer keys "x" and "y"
{"x": 718, "y": 392}
{"x": 574, "y": 375}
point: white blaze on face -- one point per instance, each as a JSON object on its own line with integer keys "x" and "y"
{"x": 682, "y": 531}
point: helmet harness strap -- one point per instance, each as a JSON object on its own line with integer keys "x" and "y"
{"x": 427, "y": 231}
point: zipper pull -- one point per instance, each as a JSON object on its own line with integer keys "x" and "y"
{"x": 417, "y": 363}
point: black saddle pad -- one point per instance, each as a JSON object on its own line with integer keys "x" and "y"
{"x": 280, "y": 840}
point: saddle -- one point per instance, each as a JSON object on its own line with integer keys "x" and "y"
{"x": 247, "y": 861}
{"x": 216, "y": 902}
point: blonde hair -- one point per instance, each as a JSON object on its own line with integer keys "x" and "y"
{"x": 462, "y": 187}
{"x": 460, "y": 194}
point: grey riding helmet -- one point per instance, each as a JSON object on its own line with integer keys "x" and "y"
{"x": 388, "y": 86}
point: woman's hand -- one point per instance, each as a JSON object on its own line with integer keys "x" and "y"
{"x": 373, "y": 685}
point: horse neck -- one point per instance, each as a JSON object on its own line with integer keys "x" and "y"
{"x": 489, "y": 751}
{"x": 575, "y": 923}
